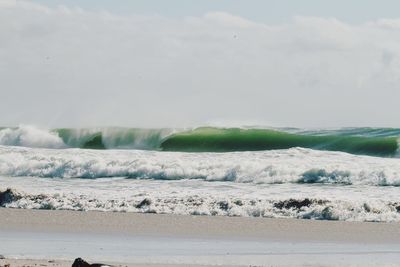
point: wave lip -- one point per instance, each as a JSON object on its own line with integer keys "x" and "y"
{"x": 29, "y": 136}
{"x": 114, "y": 138}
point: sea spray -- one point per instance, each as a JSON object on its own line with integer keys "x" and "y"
{"x": 29, "y": 136}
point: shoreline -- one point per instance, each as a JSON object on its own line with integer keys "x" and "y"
{"x": 66, "y": 263}
{"x": 29, "y": 237}
{"x": 67, "y": 221}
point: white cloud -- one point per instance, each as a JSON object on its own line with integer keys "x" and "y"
{"x": 72, "y": 67}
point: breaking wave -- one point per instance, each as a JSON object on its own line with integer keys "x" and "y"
{"x": 29, "y": 136}
{"x": 364, "y": 141}
{"x": 304, "y": 208}
{"x": 337, "y": 174}
{"x": 224, "y": 140}
{"x": 296, "y": 165}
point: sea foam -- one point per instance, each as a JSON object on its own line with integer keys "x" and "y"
{"x": 178, "y": 199}
{"x": 29, "y": 136}
{"x": 296, "y": 165}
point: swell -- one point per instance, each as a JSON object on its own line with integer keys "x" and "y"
{"x": 364, "y": 141}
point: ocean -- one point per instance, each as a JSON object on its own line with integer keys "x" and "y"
{"x": 349, "y": 174}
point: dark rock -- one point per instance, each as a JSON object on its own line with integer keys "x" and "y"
{"x": 2, "y": 257}
{"x": 7, "y": 196}
{"x": 223, "y": 205}
{"x": 293, "y": 203}
{"x": 366, "y": 207}
{"x": 79, "y": 262}
{"x": 238, "y": 202}
{"x": 144, "y": 202}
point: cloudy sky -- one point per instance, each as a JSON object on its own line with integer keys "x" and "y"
{"x": 158, "y": 63}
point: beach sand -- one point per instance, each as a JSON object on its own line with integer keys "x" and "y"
{"x": 66, "y": 263}
{"x": 35, "y": 237}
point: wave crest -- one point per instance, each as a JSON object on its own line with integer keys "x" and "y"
{"x": 29, "y": 136}
{"x": 228, "y": 140}
{"x": 204, "y": 139}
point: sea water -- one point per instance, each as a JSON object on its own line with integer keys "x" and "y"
{"x": 43, "y": 170}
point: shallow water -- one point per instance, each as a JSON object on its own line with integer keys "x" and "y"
{"x": 212, "y": 251}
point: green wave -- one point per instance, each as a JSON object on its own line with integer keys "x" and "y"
{"x": 367, "y": 141}
{"x": 234, "y": 139}
{"x": 108, "y": 138}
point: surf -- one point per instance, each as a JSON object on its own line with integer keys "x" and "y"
{"x": 229, "y": 140}
{"x": 295, "y": 165}
{"x": 379, "y": 142}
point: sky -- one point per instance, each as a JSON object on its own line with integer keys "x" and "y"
{"x": 180, "y": 63}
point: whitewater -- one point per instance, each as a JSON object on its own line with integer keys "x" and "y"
{"x": 184, "y": 171}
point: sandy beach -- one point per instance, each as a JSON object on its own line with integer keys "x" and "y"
{"x": 65, "y": 263}
{"x": 55, "y": 238}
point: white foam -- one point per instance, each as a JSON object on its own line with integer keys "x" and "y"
{"x": 339, "y": 186}
{"x": 197, "y": 197}
{"x": 29, "y": 136}
{"x": 295, "y": 165}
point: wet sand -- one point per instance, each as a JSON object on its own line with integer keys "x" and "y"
{"x": 65, "y": 263}
{"x": 131, "y": 239}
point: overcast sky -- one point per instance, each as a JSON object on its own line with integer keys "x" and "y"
{"x": 157, "y": 63}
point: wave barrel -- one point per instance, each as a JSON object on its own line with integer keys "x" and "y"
{"x": 235, "y": 139}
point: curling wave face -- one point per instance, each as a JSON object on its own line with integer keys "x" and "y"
{"x": 363, "y": 141}
{"x": 224, "y": 140}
